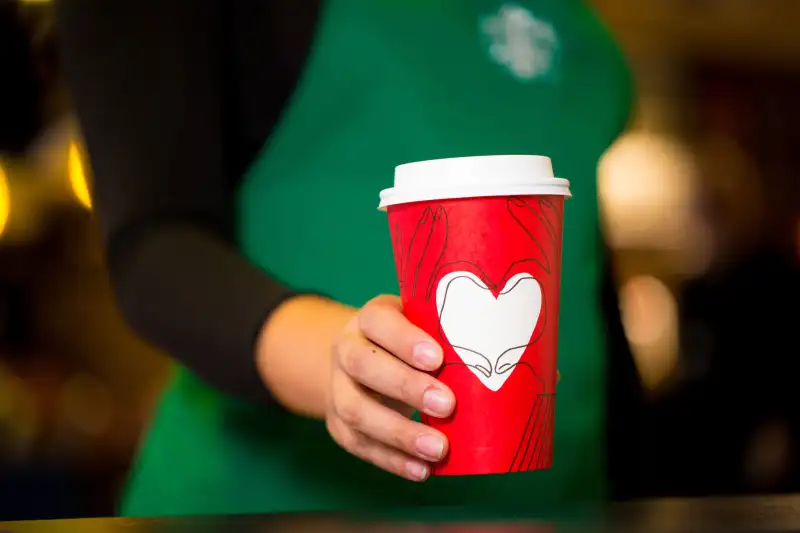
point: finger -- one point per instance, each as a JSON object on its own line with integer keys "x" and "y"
{"x": 382, "y": 321}
{"x": 376, "y": 453}
{"x": 395, "y": 405}
{"x": 363, "y": 414}
{"x": 378, "y": 370}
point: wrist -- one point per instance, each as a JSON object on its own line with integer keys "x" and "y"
{"x": 293, "y": 351}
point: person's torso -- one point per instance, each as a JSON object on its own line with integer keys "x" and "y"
{"x": 388, "y": 83}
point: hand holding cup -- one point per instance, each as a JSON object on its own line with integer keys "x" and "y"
{"x": 380, "y": 377}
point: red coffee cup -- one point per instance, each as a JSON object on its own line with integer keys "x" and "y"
{"x": 477, "y": 244}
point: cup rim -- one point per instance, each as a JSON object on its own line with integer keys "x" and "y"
{"x": 553, "y": 187}
{"x": 472, "y": 177}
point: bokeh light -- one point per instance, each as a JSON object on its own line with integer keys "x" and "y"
{"x": 768, "y": 453}
{"x": 5, "y": 200}
{"x": 646, "y": 184}
{"x": 650, "y": 318}
{"x": 19, "y": 412}
{"x": 77, "y": 176}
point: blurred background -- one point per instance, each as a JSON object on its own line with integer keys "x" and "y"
{"x": 701, "y": 206}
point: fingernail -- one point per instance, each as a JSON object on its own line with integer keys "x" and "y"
{"x": 416, "y": 471}
{"x": 436, "y": 403}
{"x": 427, "y": 356}
{"x": 430, "y": 446}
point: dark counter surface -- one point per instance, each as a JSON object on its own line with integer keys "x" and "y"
{"x": 776, "y": 514}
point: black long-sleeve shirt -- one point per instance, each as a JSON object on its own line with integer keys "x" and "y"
{"x": 174, "y": 100}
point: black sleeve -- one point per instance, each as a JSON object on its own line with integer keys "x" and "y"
{"x": 147, "y": 81}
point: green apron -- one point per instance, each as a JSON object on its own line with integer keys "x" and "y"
{"x": 390, "y": 82}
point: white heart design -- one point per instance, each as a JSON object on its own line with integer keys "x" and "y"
{"x": 489, "y": 334}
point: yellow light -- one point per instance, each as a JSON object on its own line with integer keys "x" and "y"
{"x": 646, "y": 184}
{"x": 77, "y": 177}
{"x": 5, "y": 200}
{"x": 650, "y": 319}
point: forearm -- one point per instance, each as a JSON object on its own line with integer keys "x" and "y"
{"x": 197, "y": 299}
{"x": 294, "y": 351}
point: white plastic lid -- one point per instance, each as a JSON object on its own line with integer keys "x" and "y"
{"x": 468, "y": 177}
